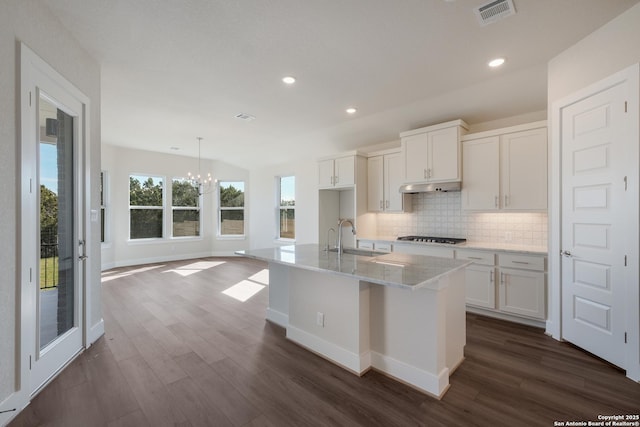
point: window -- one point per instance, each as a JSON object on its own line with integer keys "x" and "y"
{"x": 287, "y": 207}
{"x": 231, "y": 208}
{"x": 103, "y": 206}
{"x": 146, "y": 202}
{"x": 185, "y": 202}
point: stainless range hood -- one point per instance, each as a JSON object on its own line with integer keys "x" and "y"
{"x": 431, "y": 187}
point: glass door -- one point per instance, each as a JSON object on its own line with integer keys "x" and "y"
{"x": 60, "y": 245}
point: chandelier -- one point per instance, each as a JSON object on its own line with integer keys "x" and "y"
{"x": 204, "y": 183}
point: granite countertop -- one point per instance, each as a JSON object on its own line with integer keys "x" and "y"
{"x": 489, "y": 246}
{"x": 393, "y": 269}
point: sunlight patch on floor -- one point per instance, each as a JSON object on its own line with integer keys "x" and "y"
{"x": 244, "y": 290}
{"x": 109, "y": 275}
{"x": 195, "y": 267}
{"x": 261, "y": 276}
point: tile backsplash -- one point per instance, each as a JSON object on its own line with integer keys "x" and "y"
{"x": 440, "y": 214}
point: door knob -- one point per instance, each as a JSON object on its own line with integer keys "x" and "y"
{"x": 565, "y": 253}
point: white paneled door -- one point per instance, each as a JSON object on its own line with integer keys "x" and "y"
{"x": 596, "y": 221}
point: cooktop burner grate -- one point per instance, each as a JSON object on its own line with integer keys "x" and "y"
{"x": 432, "y": 239}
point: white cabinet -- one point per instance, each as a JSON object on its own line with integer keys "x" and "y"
{"x": 506, "y": 284}
{"x": 522, "y": 285}
{"x": 337, "y": 172}
{"x": 432, "y": 154}
{"x": 429, "y": 250}
{"x": 480, "y": 278}
{"x": 506, "y": 169}
{"x": 385, "y": 176}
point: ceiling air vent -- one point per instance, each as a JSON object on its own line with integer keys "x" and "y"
{"x": 244, "y": 116}
{"x": 494, "y": 11}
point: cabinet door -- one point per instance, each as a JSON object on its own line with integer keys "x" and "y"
{"x": 480, "y": 286}
{"x": 524, "y": 170}
{"x": 345, "y": 171}
{"x": 375, "y": 184}
{"x": 522, "y": 292}
{"x": 415, "y": 157}
{"x": 481, "y": 174}
{"x": 442, "y": 155}
{"x": 392, "y": 182}
{"x": 325, "y": 173}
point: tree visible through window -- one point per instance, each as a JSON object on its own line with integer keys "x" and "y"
{"x": 146, "y": 203}
{"x": 185, "y": 201}
{"x": 231, "y": 208}
{"x": 287, "y": 207}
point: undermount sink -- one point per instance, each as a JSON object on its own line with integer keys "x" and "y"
{"x": 359, "y": 252}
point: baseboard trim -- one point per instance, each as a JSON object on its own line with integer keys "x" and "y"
{"x": 432, "y": 384}
{"x": 510, "y": 318}
{"x": 356, "y": 363}
{"x": 277, "y": 317}
{"x": 13, "y": 405}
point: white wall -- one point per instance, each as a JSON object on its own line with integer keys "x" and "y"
{"x": 262, "y": 203}
{"x": 29, "y": 22}
{"x": 120, "y": 163}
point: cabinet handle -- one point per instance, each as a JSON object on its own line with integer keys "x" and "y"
{"x": 506, "y": 200}
{"x": 520, "y": 262}
{"x": 502, "y": 278}
{"x": 381, "y": 204}
{"x": 496, "y": 201}
{"x": 474, "y": 257}
{"x": 424, "y": 174}
{"x": 429, "y": 173}
{"x": 336, "y": 179}
{"x": 331, "y": 179}
{"x": 387, "y": 204}
{"x": 491, "y": 276}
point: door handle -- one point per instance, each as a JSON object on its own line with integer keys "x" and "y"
{"x": 83, "y": 257}
{"x": 566, "y": 253}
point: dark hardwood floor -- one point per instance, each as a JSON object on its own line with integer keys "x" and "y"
{"x": 177, "y": 351}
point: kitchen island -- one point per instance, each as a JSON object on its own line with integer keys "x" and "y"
{"x": 401, "y": 314}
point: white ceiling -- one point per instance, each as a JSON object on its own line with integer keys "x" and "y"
{"x": 176, "y": 70}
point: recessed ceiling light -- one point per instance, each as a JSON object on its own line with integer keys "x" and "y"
{"x": 289, "y": 80}
{"x": 351, "y": 110}
{"x": 496, "y": 62}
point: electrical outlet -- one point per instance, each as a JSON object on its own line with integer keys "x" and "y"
{"x": 320, "y": 319}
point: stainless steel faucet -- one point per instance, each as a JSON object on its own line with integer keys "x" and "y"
{"x": 353, "y": 230}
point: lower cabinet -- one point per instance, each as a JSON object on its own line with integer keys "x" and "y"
{"x": 506, "y": 283}
{"x": 522, "y": 292}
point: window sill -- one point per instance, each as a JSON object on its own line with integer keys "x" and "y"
{"x": 231, "y": 237}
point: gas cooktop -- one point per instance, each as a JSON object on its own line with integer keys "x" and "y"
{"x": 431, "y": 239}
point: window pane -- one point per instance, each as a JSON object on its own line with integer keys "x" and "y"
{"x": 184, "y": 193}
{"x": 186, "y": 223}
{"x": 146, "y": 223}
{"x": 288, "y": 191}
{"x": 231, "y": 222}
{"x": 145, "y": 191}
{"x": 232, "y": 194}
{"x": 287, "y": 223}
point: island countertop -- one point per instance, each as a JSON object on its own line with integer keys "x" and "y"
{"x": 394, "y": 269}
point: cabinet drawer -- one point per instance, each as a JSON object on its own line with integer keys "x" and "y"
{"x": 384, "y": 247}
{"x": 478, "y": 257}
{"x": 526, "y": 262}
{"x": 428, "y": 250}
{"x": 365, "y": 245}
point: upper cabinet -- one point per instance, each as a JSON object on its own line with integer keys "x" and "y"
{"x": 506, "y": 169}
{"x": 337, "y": 172}
{"x": 385, "y": 176}
{"x": 432, "y": 154}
